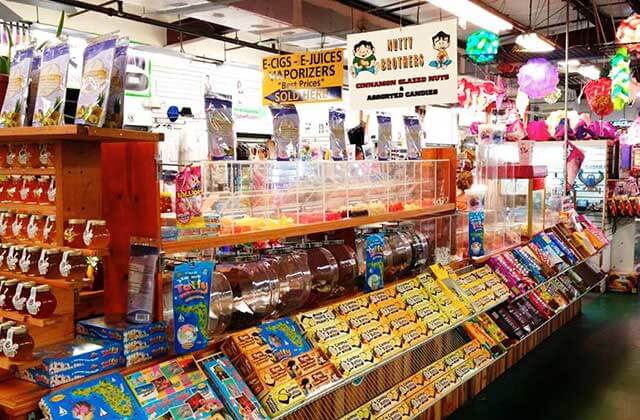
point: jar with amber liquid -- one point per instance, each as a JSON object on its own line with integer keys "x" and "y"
{"x": 13, "y": 257}
{"x": 49, "y": 230}
{"x": 4, "y": 329}
{"x": 27, "y": 156}
{"x": 41, "y": 303}
{"x": 73, "y": 266}
{"x": 11, "y": 194}
{"x": 6, "y": 221}
{"x": 29, "y": 260}
{"x": 49, "y": 263}
{"x": 96, "y": 235}
{"x": 41, "y": 192}
{"x": 27, "y": 185}
{"x": 4, "y": 182}
{"x": 46, "y": 155}
{"x": 51, "y": 191}
{"x": 22, "y": 294}
{"x": 7, "y": 291}
{"x": 4, "y": 251}
{"x": 73, "y": 233}
{"x": 35, "y": 228}
{"x": 4, "y": 151}
{"x": 18, "y": 345}
{"x": 12, "y": 150}
{"x": 19, "y": 227}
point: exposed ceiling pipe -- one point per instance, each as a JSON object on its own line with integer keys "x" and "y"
{"x": 635, "y": 5}
{"x": 149, "y": 21}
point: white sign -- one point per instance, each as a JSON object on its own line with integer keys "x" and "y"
{"x": 414, "y": 65}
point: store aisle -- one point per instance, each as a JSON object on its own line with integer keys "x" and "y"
{"x": 588, "y": 370}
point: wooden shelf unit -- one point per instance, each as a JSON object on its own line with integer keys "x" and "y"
{"x": 30, "y": 320}
{"x": 28, "y": 171}
{"x": 38, "y": 209}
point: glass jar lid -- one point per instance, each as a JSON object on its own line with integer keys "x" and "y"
{"x": 28, "y": 284}
{"x": 98, "y": 222}
{"x": 309, "y": 245}
{"x": 334, "y": 242}
{"x": 33, "y": 249}
{"x": 43, "y": 288}
{"x": 77, "y": 221}
{"x": 278, "y": 250}
{"x": 18, "y": 330}
{"x": 74, "y": 253}
{"x": 51, "y": 251}
{"x": 22, "y": 216}
{"x": 52, "y": 217}
{"x": 10, "y": 282}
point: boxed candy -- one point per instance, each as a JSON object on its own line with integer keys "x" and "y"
{"x": 121, "y": 332}
{"x": 146, "y": 353}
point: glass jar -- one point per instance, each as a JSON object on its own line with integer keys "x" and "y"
{"x": 6, "y": 294}
{"x": 22, "y": 294}
{"x": 29, "y": 260}
{"x": 220, "y": 305}
{"x": 4, "y": 151}
{"x": 11, "y": 192}
{"x": 4, "y": 329}
{"x": 96, "y": 235}
{"x": 254, "y": 285}
{"x": 73, "y": 266}
{"x": 41, "y": 303}
{"x": 27, "y": 156}
{"x": 35, "y": 228}
{"x": 13, "y": 257}
{"x": 4, "y": 251}
{"x": 419, "y": 246}
{"x": 49, "y": 263}
{"x": 19, "y": 227}
{"x": 347, "y": 265}
{"x": 73, "y": 233}
{"x": 4, "y": 183}
{"x": 28, "y": 184}
{"x": 324, "y": 271}
{"x": 18, "y": 345}
{"x": 51, "y": 191}
{"x": 49, "y": 230}
{"x": 6, "y": 221}
{"x": 294, "y": 277}
{"x": 41, "y": 191}
{"x": 46, "y": 155}
{"x": 398, "y": 253}
{"x": 12, "y": 155}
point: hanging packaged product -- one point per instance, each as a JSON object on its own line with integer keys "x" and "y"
{"x": 96, "y": 79}
{"x": 337, "y": 139}
{"x": 374, "y": 254}
{"x": 412, "y": 134}
{"x": 143, "y": 264}
{"x": 286, "y": 131}
{"x": 115, "y": 103}
{"x": 52, "y": 87}
{"x": 189, "y": 218}
{"x": 33, "y": 87}
{"x": 385, "y": 136}
{"x": 14, "y": 106}
{"x": 222, "y": 139}
{"x": 191, "y": 295}
{"x": 476, "y": 233}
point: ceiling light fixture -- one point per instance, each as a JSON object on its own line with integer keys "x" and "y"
{"x": 589, "y": 71}
{"x": 532, "y": 42}
{"x": 471, "y": 12}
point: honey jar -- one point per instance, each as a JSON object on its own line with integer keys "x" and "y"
{"x": 73, "y": 265}
{"x": 35, "y": 228}
{"x": 49, "y": 263}
{"x": 22, "y": 294}
{"x": 11, "y": 155}
{"x": 4, "y": 151}
{"x": 73, "y": 233}
{"x": 19, "y": 227}
{"x": 4, "y": 329}
{"x": 7, "y": 292}
{"x": 6, "y": 220}
{"x": 46, "y": 155}
{"x": 4, "y": 250}
{"x": 29, "y": 260}
{"x": 18, "y": 345}
{"x": 13, "y": 257}
{"x": 51, "y": 191}
{"x": 49, "y": 230}
{"x": 27, "y": 185}
{"x": 11, "y": 191}
{"x": 4, "y": 182}
{"x": 27, "y": 156}
{"x": 41, "y": 192}
{"x": 96, "y": 235}
{"x": 41, "y": 303}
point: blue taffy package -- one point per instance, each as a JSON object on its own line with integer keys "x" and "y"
{"x": 191, "y": 295}
{"x": 222, "y": 139}
{"x": 374, "y": 249}
{"x": 385, "y": 136}
{"x": 286, "y": 131}
{"x": 337, "y": 139}
{"x": 412, "y": 134}
{"x": 476, "y": 233}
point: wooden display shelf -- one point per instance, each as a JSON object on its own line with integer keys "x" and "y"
{"x": 39, "y": 209}
{"x": 28, "y": 171}
{"x": 85, "y": 251}
{"x": 55, "y": 283}
{"x": 8, "y": 364}
{"x": 76, "y": 133}
{"x": 29, "y": 320}
{"x": 297, "y": 230}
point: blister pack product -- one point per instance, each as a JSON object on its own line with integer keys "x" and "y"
{"x": 52, "y": 85}
{"x": 385, "y": 136}
{"x": 337, "y": 138}
{"x": 15, "y": 99}
{"x": 33, "y": 87}
{"x": 286, "y": 131}
{"x": 115, "y": 103}
{"x": 222, "y": 138}
{"x": 412, "y": 134}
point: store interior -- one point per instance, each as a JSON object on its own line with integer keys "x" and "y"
{"x": 301, "y": 209}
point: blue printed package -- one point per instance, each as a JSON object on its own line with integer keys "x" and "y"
{"x": 78, "y": 354}
{"x": 51, "y": 378}
{"x": 145, "y": 354}
{"x": 374, "y": 250}
{"x": 573, "y": 258}
{"x": 106, "y": 397}
{"x": 153, "y": 340}
{"x": 533, "y": 268}
{"x": 285, "y": 338}
{"x": 195, "y": 402}
{"x": 476, "y": 233}
{"x": 237, "y": 398}
{"x": 122, "y": 332}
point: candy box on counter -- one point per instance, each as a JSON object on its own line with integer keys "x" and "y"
{"x": 107, "y": 397}
{"x": 148, "y": 353}
{"x": 121, "y": 332}
{"x": 152, "y": 341}
{"x": 43, "y": 377}
{"x": 195, "y": 402}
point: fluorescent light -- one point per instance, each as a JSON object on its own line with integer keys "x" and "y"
{"x": 570, "y": 66}
{"x": 589, "y": 71}
{"x": 471, "y": 12}
{"x": 532, "y": 42}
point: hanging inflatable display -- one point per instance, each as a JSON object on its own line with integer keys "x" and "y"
{"x": 620, "y": 76}
{"x": 538, "y": 77}
{"x": 629, "y": 33}
{"x": 598, "y": 93}
{"x": 482, "y": 46}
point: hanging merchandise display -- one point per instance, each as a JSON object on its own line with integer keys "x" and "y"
{"x": 286, "y": 131}
{"x": 553, "y": 97}
{"x": 15, "y": 100}
{"x": 383, "y": 149}
{"x": 337, "y": 137}
{"x": 482, "y": 46}
{"x": 598, "y": 93}
{"x": 538, "y": 77}
{"x": 219, "y": 114}
{"x": 629, "y": 33}
{"x": 620, "y": 76}
{"x": 412, "y": 134}
{"x": 115, "y": 103}
{"x": 476, "y": 95}
{"x": 52, "y": 85}
{"x": 522, "y": 103}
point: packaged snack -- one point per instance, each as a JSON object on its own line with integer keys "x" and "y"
{"x": 385, "y": 402}
{"x": 385, "y": 136}
{"x": 419, "y": 401}
{"x": 284, "y": 337}
{"x": 413, "y": 135}
{"x": 413, "y": 336}
{"x": 424, "y": 310}
{"x": 255, "y": 360}
{"x": 410, "y": 386}
{"x": 15, "y": 99}
{"x": 374, "y": 332}
{"x": 191, "y": 296}
{"x": 389, "y": 308}
{"x": 282, "y": 398}
{"x": 443, "y": 382}
{"x": 415, "y": 298}
{"x": 406, "y": 287}
{"x": 195, "y": 402}
{"x": 463, "y": 369}
{"x": 362, "y": 318}
{"x": 476, "y": 233}
{"x": 222, "y": 139}
{"x": 33, "y": 87}
{"x": 338, "y": 348}
{"x": 115, "y": 102}
{"x": 480, "y": 358}
{"x": 107, "y": 396}
{"x": 237, "y": 398}
{"x": 352, "y": 305}
{"x": 329, "y": 332}
{"x": 262, "y": 381}
{"x": 96, "y": 81}
{"x": 436, "y": 323}
{"x": 360, "y": 413}
{"x": 355, "y": 363}
{"x": 286, "y": 131}
{"x": 52, "y": 87}
{"x": 311, "y": 320}
{"x": 402, "y": 323}
{"x": 337, "y": 138}
{"x": 385, "y": 347}
{"x": 399, "y": 412}
{"x": 123, "y": 332}
{"x": 306, "y": 363}
{"x": 147, "y": 353}
{"x": 435, "y": 369}
{"x": 380, "y": 296}
{"x": 189, "y": 198}
{"x": 374, "y": 263}
{"x": 453, "y": 358}
{"x": 143, "y": 264}
{"x": 318, "y": 380}
{"x": 242, "y": 341}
